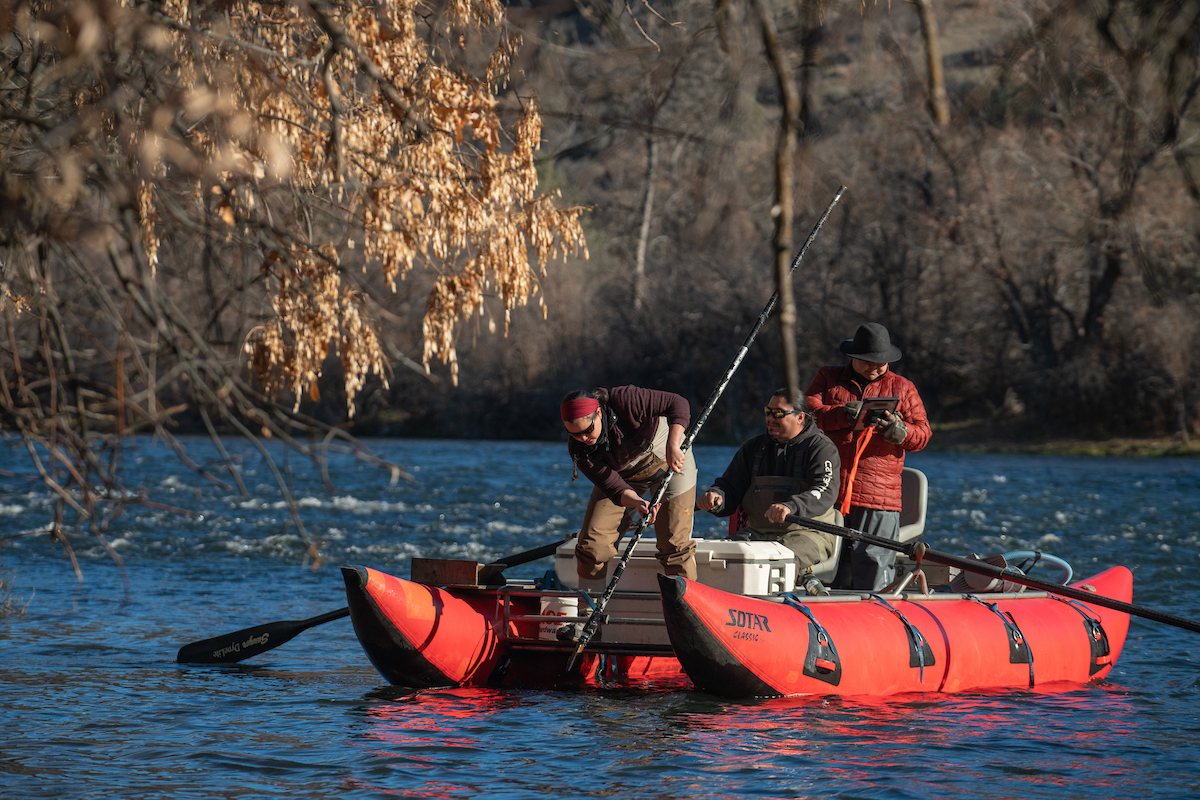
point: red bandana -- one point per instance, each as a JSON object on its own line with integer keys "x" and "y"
{"x": 579, "y": 408}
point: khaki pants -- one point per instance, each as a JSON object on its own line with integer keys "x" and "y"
{"x": 605, "y": 523}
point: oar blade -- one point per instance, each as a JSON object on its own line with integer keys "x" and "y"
{"x": 239, "y": 645}
{"x": 248, "y": 642}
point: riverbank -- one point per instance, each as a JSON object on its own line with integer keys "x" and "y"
{"x": 1018, "y": 437}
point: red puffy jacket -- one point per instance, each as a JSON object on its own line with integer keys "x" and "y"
{"x": 877, "y": 481}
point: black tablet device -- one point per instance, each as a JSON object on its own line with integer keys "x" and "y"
{"x": 873, "y": 408}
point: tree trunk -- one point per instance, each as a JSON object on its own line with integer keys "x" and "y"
{"x": 939, "y": 107}
{"x": 785, "y": 145}
{"x": 639, "y": 267}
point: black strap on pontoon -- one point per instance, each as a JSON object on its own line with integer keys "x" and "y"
{"x": 606, "y": 668}
{"x": 1097, "y": 636}
{"x": 1018, "y": 647}
{"x": 822, "y": 660}
{"x": 919, "y": 653}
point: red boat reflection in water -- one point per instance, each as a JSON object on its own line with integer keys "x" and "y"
{"x": 796, "y": 746}
{"x": 836, "y": 741}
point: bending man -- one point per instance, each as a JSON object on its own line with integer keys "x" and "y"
{"x": 791, "y": 469}
{"x": 626, "y": 440}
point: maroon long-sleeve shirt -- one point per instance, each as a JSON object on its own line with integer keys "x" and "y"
{"x": 637, "y": 411}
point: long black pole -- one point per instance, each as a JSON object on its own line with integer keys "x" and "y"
{"x": 1004, "y": 574}
{"x": 597, "y": 615}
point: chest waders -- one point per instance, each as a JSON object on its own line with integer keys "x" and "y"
{"x": 605, "y": 522}
{"x": 764, "y": 492}
{"x": 810, "y": 546}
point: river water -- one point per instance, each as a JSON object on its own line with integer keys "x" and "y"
{"x": 93, "y": 704}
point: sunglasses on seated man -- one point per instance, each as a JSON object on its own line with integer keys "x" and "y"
{"x": 779, "y": 413}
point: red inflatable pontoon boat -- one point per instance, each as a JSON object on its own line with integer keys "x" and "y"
{"x": 731, "y": 644}
{"x": 738, "y": 631}
{"x": 880, "y": 645}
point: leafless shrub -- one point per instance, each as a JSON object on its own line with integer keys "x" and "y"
{"x": 11, "y": 605}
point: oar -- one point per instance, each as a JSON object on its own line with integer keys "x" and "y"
{"x": 490, "y": 572}
{"x": 1003, "y": 573}
{"x": 597, "y": 615}
{"x": 248, "y": 642}
{"x": 243, "y": 644}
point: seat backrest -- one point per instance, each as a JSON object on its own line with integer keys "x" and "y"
{"x": 914, "y": 490}
{"x": 826, "y": 571}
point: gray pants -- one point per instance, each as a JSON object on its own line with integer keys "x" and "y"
{"x": 872, "y": 567}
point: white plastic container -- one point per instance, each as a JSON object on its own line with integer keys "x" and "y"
{"x": 561, "y": 606}
{"x": 750, "y": 568}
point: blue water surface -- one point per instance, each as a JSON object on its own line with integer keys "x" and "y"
{"x": 94, "y": 705}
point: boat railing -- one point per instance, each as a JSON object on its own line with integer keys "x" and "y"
{"x": 530, "y": 637}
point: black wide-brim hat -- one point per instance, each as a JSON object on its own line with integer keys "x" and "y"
{"x": 872, "y": 343}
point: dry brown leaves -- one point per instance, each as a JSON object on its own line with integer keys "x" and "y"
{"x": 320, "y": 138}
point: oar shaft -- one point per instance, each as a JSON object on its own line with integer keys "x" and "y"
{"x": 329, "y": 616}
{"x": 491, "y": 572}
{"x": 528, "y": 555}
{"x": 991, "y": 570}
{"x": 593, "y": 621}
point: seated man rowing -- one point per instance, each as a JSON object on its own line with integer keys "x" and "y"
{"x": 791, "y": 469}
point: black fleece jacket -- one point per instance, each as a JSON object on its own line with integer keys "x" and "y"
{"x": 810, "y": 456}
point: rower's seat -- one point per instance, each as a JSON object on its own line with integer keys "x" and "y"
{"x": 914, "y": 491}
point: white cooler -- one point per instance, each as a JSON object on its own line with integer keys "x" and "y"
{"x": 750, "y": 568}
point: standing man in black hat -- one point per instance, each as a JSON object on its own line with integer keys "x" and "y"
{"x": 872, "y": 455}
